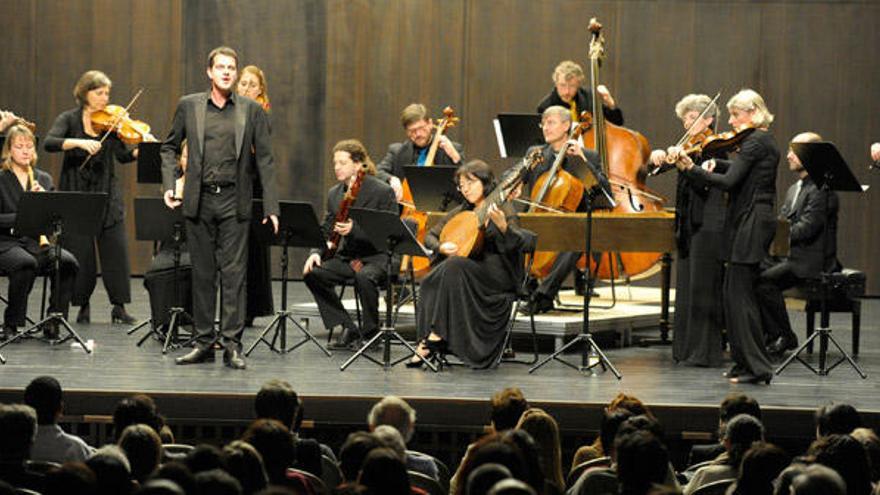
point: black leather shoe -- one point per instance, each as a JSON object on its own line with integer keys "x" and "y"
{"x": 348, "y": 339}
{"x": 119, "y": 315}
{"x": 85, "y": 314}
{"x": 537, "y": 305}
{"x": 752, "y": 379}
{"x": 232, "y": 358}
{"x": 783, "y": 344}
{"x": 8, "y": 332}
{"x": 197, "y": 355}
{"x": 734, "y": 371}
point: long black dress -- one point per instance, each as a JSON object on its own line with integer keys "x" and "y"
{"x": 699, "y": 227}
{"x": 467, "y": 301}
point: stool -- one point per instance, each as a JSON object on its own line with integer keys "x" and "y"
{"x": 847, "y": 286}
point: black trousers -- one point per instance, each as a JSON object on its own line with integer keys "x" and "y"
{"x": 22, "y": 267}
{"x": 217, "y": 239}
{"x": 259, "y": 278}
{"x": 743, "y": 315}
{"x": 774, "y": 316}
{"x": 115, "y": 271}
{"x": 563, "y": 265}
{"x": 323, "y": 280}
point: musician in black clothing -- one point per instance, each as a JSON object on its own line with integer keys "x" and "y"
{"x": 414, "y": 151}
{"x": 23, "y": 258}
{"x": 228, "y": 148}
{"x": 805, "y": 209}
{"x": 555, "y": 124}
{"x": 568, "y": 78}
{"x": 750, "y": 180}
{"x": 699, "y": 223}
{"x": 73, "y": 134}
{"x": 355, "y": 260}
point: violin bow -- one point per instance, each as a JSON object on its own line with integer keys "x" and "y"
{"x": 115, "y": 123}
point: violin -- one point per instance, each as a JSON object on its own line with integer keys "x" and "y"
{"x": 114, "y": 118}
{"x": 717, "y": 143}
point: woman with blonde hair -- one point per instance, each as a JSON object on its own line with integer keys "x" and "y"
{"x": 252, "y": 83}
{"x": 544, "y": 430}
{"x": 749, "y": 178}
{"x": 23, "y": 258}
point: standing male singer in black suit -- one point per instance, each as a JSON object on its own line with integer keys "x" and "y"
{"x": 805, "y": 209}
{"x": 221, "y": 129}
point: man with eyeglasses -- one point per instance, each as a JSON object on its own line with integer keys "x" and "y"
{"x": 414, "y": 151}
{"x": 555, "y": 125}
{"x": 568, "y": 78}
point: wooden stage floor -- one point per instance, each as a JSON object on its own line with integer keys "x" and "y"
{"x": 117, "y": 367}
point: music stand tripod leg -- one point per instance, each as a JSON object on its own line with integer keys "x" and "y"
{"x": 273, "y": 325}
{"x": 846, "y": 357}
{"x": 308, "y": 336}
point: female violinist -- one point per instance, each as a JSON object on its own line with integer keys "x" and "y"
{"x": 352, "y": 258}
{"x": 465, "y": 301}
{"x": 74, "y": 134}
{"x": 699, "y": 222}
{"x": 252, "y": 83}
{"x": 23, "y": 258}
{"x": 750, "y": 180}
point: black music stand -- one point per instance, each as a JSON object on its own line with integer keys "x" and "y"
{"x": 386, "y": 230}
{"x": 433, "y": 188}
{"x": 517, "y": 132}
{"x": 830, "y": 173}
{"x": 49, "y": 213}
{"x": 155, "y": 222}
{"x": 585, "y": 336}
{"x": 297, "y": 227}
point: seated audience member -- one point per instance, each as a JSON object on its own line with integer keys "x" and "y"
{"x": 216, "y": 482}
{"x": 178, "y": 473}
{"x": 143, "y": 447}
{"x": 810, "y": 215}
{"x": 72, "y": 478}
{"x": 112, "y": 471}
{"x": 741, "y": 432}
{"x": 733, "y": 405}
{"x": 484, "y": 477}
{"x": 545, "y": 432}
{"x": 514, "y": 449}
{"x": 18, "y": 425}
{"x": 161, "y": 486}
{"x": 871, "y": 442}
{"x": 642, "y": 462}
{"x": 384, "y": 472}
{"x": 244, "y": 462}
{"x": 760, "y": 467}
{"x": 531, "y": 454}
{"x": 204, "y": 457}
{"x": 52, "y": 443}
{"x": 844, "y": 454}
{"x": 512, "y": 486}
{"x": 818, "y": 480}
{"x": 611, "y": 421}
{"x": 507, "y": 406}
{"x": 835, "y": 418}
{"x": 623, "y": 401}
{"x": 354, "y": 451}
{"x": 396, "y": 412}
{"x": 275, "y": 443}
{"x": 279, "y": 401}
{"x": 140, "y": 409}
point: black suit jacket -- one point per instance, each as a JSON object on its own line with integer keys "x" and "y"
{"x": 375, "y": 195}
{"x": 402, "y": 154}
{"x": 10, "y": 194}
{"x": 252, "y": 144}
{"x": 584, "y": 101}
{"x": 809, "y": 219}
{"x": 750, "y": 180}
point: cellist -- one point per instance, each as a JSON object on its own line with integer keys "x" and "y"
{"x": 555, "y": 125}
{"x": 355, "y": 259}
{"x": 414, "y": 151}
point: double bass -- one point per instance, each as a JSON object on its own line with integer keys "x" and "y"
{"x": 623, "y": 153}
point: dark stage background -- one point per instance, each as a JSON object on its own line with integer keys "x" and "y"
{"x": 343, "y": 68}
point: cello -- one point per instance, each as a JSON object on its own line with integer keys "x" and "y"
{"x": 623, "y": 153}
{"x": 420, "y": 264}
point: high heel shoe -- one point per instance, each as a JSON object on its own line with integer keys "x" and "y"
{"x": 119, "y": 315}
{"x": 85, "y": 314}
{"x": 752, "y": 379}
{"x": 418, "y": 360}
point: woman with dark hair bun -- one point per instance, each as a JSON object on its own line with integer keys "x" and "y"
{"x": 465, "y": 301}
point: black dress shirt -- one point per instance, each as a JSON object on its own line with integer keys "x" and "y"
{"x": 220, "y": 156}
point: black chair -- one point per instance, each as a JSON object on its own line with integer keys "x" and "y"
{"x": 598, "y": 481}
{"x": 175, "y": 451}
{"x": 715, "y": 488}
{"x": 316, "y": 482}
{"x": 425, "y": 482}
{"x": 524, "y": 295}
{"x": 577, "y": 471}
{"x": 41, "y": 467}
{"x": 331, "y": 475}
